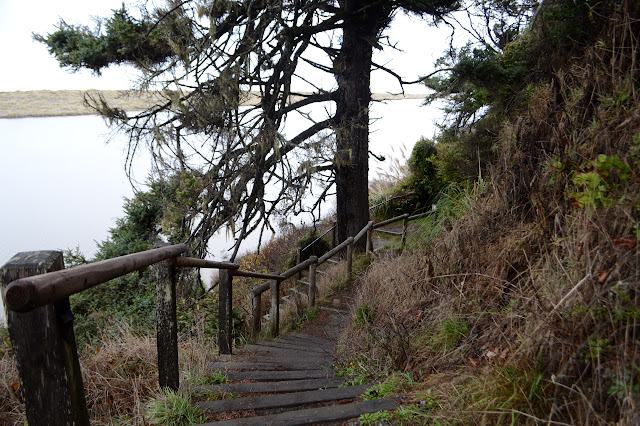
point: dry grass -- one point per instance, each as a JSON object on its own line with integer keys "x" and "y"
{"x": 54, "y": 103}
{"x": 527, "y": 309}
{"x": 120, "y": 376}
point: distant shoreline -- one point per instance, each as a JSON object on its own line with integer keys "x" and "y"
{"x": 62, "y": 103}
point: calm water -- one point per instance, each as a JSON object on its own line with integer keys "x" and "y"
{"x": 62, "y": 186}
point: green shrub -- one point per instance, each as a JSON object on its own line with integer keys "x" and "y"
{"x": 319, "y": 248}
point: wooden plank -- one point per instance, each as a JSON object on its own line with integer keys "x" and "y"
{"x": 266, "y": 357}
{"x": 273, "y": 387}
{"x": 292, "y": 340}
{"x": 288, "y": 344}
{"x": 331, "y": 413}
{"x": 264, "y": 366}
{"x": 282, "y": 400}
{"x": 320, "y": 340}
{"x": 335, "y": 262}
{"x": 44, "y": 348}
{"x": 263, "y": 376}
{"x": 284, "y": 352}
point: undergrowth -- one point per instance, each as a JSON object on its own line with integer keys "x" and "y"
{"x": 518, "y": 300}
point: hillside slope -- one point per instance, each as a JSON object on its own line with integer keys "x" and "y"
{"x": 527, "y": 308}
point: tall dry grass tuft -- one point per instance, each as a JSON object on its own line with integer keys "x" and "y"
{"x": 11, "y": 408}
{"x": 120, "y": 375}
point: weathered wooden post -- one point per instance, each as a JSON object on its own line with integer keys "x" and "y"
{"x": 274, "y": 313}
{"x": 312, "y": 284}
{"x": 225, "y": 311}
{"x": 298, "y": 260}
{"x": 256, "y": 313}
{"x": 405, "y": 225}
{"x": 166, "y": 325}
{"x": 333, "y": 235}
{"x": 349, "y": 260}
{"x": 370, "y": 240}
{"x": 44, "y": 347}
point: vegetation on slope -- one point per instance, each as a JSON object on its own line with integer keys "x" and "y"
{"x": 526, "y": 308}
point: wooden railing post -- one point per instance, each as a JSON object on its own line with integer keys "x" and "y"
{"x": 312, "y": 284}
{"x": 298, "y": 260}
{"x": 370, "y": 240}
{"x": 333, "y": 234}
{"x": 44, "y": 347}
{"x": 349, "y": 260}
{"x": 274, "y": 313}
{"x": 256, "y": 313}
{"x": 405, "y": 225}
{"x": 225, "y": 311}
{"x": 166, "y": 325}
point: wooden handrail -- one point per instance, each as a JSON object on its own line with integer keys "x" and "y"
{"x": 29, "y": 293}
{"x": 391, "y": 199}
{"x": 194, "y": 262}
{"x": 389, "y": 221}
{"x": 299, "y": 267}
{"x": 335, "y": 251}
{"x": 363, "y": 232}
{"x": 250, "y": 274}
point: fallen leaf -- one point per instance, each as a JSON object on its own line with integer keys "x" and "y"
{"x": 473, "y": 362}
{"x": 602, "y": 276}
{"x": 625, "y": 243}
{"x": 490, "y": 354}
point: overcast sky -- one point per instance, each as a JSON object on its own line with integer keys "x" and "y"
{"x": 28, "y": 66}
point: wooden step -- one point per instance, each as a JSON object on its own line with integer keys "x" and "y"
{"x": 263, "y": 376}
{"x": 262, "y": 366}
{"x": 284, "y": 352}
{"x": 332, "y": 261}
{"x": 288, "y": 339}
{"x": 307, "y": 283}
{"x": 287, "y": 344}
{"x": 337, "y": 311}
{"x": 321, "y": 272}
{"x": 266, "y": 357}
{"x": 331, "y": 413}
{"x": 298, "y": 293}
{"x": 319, "y": 340}
{"x": 282, "y": 400}
{"x": 272, "y": 387}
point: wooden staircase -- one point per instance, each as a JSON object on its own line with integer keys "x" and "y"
{"x": 294, "y": 378}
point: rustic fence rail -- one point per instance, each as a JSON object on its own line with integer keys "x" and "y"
{"x": 36, "y": 290}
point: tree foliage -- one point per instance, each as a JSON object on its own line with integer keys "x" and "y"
{"x": 230, "y": 74}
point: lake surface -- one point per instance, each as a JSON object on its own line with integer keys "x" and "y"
{"x": 62, "y": 185}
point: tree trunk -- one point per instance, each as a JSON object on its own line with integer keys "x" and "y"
{"x": 352, "y": 117}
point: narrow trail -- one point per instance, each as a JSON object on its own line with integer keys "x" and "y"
{"x": 291, "y": 380}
